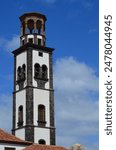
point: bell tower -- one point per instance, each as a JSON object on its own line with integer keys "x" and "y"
{"x": 33, "y": 96}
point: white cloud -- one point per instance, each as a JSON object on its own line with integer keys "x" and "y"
{"x": 13, "y": 43}
{"x": 75, "y": 75}
{"x": 5, "y": 111}
{"x": 76, "y": 98}
{"x": 9, "y": 44}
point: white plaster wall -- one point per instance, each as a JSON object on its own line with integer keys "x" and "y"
{"x": 39, "y": 36}
{"x": 20, "y": 133}
{"x": 21, "y": 100}
{"x": 41, "y": 60}
{"x": 30, "y": 36}
{"x": 23, "y": 37}
{"x": 42, "y": 133}
{"x": 20, "y": 60}
{"x": 41, "y": 97}
{"x": 18, "y": 147}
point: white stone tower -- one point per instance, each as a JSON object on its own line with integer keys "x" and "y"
{"x": 33, "y": 96}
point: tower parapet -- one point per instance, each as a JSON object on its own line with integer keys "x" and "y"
{"x": 33, "y": 29}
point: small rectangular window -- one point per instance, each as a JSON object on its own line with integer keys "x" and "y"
{"x": 40, "y": 54}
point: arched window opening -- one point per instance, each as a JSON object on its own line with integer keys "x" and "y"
{"x": 30, "y": 26}
{"x": 20, "y": 115}
{"x": 19, "y": 73}
{"x": 23, "y": 71}
{"x": 37, "y": 70}
{"x": 41, "y": 115}
{"x": 44, "y": 72}
{"x": 40, "y": 74}
{"x": 39, "y": 26}
{"x": 41, "y": 141}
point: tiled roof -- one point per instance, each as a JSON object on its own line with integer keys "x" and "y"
{"x": 44, "y": 147}
{"x": 9, "y": 138}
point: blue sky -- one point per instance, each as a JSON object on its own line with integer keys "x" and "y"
{"x": 72, "y": 29}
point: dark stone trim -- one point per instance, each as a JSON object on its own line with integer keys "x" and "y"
{"x": 52, "y": 131}
{"x": 29, "y": 134}
{"x": 33, "y": 88}
{"x": 29, "y": 106}
{"x": 29, "y": 99}
{"x": 14, "y": 99}
{"x": 52, "y": 137}
{"x": 50, "y": 71}
{"x": 41, "y": 123}
{"x": 41, "y": 82}
{"x": 25, "y": 40}
{"x": 29, "y": 67}
{"x": 32, "y": 46}
{"x": 33, "y": 126}
{"x": 32, "y": 14}
{"x": 29, "y": 115}
{"x": 14, "y": 73}
{"x": 14, "y": 114}
{"x": 51, "y": 98}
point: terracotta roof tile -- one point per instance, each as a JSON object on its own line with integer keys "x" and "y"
{"x": 9, "y": 138}
{"x": 44, "y": 147}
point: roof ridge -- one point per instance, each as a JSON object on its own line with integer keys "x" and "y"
{"x": 49, "y": 145}
{"x": 45, "y": 147}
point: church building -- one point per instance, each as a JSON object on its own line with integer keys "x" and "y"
{"x": 33, "y": 93}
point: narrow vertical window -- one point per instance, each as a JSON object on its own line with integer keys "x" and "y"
{"x": 44, "y": 72}
{"x": 41, "y": 115}
{"x": 23, "y": 71}
{"x": 39, "y": 27}
{"x": 20, "y": 115}
{"x": 30, "y": 25}
{"x": 37, "y": 70}
{"x": 19, "y": 73}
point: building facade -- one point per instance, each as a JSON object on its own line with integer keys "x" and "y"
{"x": 10, "y": 142}
{"x": 33, "y": 96}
